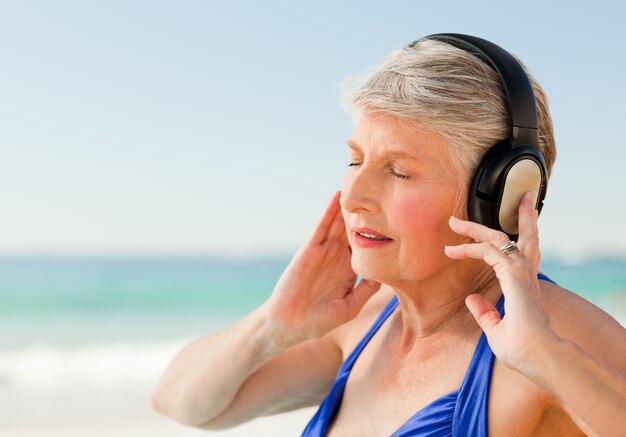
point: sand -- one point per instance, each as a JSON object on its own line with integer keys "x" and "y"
{"x": 145, "y": 423}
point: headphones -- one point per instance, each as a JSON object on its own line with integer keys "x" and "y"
{"x": 514, "y": 165}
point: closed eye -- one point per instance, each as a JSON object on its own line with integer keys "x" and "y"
{"x": 391, "y": 171}
{"x": 398, "y": 175}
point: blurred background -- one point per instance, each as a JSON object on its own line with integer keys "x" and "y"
{"x": 160, "y": 163}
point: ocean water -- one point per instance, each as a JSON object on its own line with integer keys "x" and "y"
{"x": 74, "y": 327}
{"x": 81, "y": 301}
{"x": 87, "y": 339}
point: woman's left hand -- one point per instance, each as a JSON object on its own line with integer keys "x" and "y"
{"x": 525, "y": 328}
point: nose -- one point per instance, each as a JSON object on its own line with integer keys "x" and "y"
{"x": 360, "y": 192}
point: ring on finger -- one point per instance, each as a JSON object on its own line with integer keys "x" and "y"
{"x": 509, "y": 248}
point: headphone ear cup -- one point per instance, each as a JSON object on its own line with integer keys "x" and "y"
{"x": 481, "y": 199}
{"x": 522, "y": 176}
{"x": 502, "y": 178}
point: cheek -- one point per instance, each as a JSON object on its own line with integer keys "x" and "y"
{"x": 411, "y": 216}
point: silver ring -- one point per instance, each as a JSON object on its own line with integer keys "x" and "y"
{"x": 509, "y": 248}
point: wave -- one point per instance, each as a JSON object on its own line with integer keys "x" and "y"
{"x": 45, "y": 368}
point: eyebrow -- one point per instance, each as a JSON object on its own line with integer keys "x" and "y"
{"x": 398, "y": 154}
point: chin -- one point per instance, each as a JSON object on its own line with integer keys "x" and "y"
{"x": 371, "y": 267}
{"x": 388, "y": 269}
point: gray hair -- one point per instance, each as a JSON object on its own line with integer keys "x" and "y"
{"x": 451, "y": 92}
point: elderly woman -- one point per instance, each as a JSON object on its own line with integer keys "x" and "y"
{"x": 451, "y": 329}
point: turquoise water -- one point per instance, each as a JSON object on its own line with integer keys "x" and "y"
{"x": 72, "y": 324}
{"x": 96, "y": 301}
{"x": 45, "y": 286}
{"x": 75, "y": 301}
{"x": 601, "y": 281}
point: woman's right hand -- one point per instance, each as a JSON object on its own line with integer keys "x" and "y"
{"x": 316, "y": 292}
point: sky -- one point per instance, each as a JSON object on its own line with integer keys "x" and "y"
{"x": 197, "y": 127}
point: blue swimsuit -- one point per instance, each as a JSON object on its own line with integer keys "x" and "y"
{"x": 460, "y": 413}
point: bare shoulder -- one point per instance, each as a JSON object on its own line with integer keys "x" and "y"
{"x": 348, "y": 335}
{"x": 575, "y": 318}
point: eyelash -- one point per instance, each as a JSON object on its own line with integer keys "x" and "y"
{"x": 393, "y": 173}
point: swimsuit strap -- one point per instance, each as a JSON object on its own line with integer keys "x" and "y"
{"x": 544, "y": 277}
{"x": 470, "y": 415}
{"x": 349, "y": 362}
{"x": 327, "y": 410}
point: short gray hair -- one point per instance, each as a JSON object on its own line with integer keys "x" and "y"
{"x": 451, "y": 92}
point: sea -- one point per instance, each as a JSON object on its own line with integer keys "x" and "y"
{"x": 104, "y": 329}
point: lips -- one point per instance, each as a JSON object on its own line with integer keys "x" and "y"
{"x": 369, "y": 232}
{"x": 367, "y": 238}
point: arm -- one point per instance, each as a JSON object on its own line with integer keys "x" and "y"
{"x": 588, "y": 380}
{"x": 204, "y": 377}
{"x": 595, "y": 393}
{"x": 283, "y": 355}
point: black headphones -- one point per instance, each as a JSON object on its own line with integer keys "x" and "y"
{"x": 512, "y": 166}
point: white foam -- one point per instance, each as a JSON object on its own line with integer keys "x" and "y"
{"x": 45, "y": 368}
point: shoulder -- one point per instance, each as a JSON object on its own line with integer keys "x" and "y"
{"x": 348, "y": 335}
{"x": 574, "y": 318}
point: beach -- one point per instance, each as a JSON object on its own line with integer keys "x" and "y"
{"x": 135, "y": 419}
{"x": 78, "y": 415}
{"x": 84, "y": 342}
{"x": 103, "y": 390}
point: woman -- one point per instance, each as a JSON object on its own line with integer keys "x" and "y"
{"x": 410, "y": 349}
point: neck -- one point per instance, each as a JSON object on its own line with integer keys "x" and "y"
{"x": 434, "y": 307}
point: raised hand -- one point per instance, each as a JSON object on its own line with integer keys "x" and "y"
{"x": 316, "y": 292}
{"x": 525, "y": 324}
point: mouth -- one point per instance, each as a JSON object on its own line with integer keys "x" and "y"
{"x": 370, "y": 234}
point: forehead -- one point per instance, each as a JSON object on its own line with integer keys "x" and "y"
{"x": 385, "y": 135}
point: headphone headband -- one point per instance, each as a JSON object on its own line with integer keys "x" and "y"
{"x": 517, "y": 88}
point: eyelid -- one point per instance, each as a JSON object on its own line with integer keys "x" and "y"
{"x": 392, "y": 171}
{"x": 398, "y": 175}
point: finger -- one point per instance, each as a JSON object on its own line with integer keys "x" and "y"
{"x": 528, "y": 232}
{"x": 486, "y": 315}
{"x": 323, "y": 225}
{"x": 477, "y": 232}
{"x": 485, "y": 251}
{"x": 337, "y": 228}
